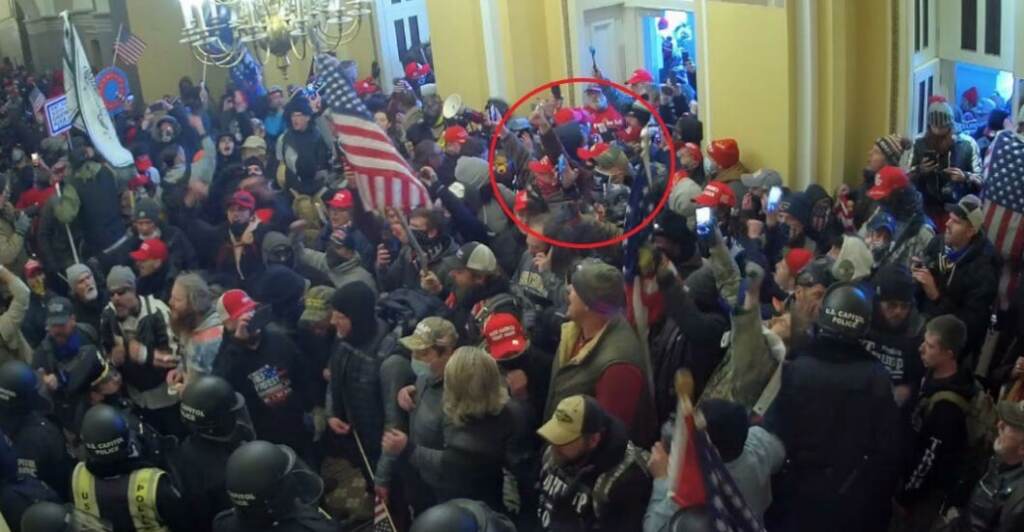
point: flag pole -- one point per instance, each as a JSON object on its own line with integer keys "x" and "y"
{"x": 369, "y": 470}
{"x": 117, "y": 41}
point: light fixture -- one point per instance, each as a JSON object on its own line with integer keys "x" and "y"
{"x": 220, "y": 31}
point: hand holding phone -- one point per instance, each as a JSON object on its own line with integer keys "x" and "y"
{"x": 705, "y": 223}
{"x": 774, "y": 196}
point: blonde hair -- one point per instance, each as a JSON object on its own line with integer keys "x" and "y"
{"x": 473, "y": 387}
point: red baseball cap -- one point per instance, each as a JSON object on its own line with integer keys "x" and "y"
{"x": 542, "y": 166}
{"x": 640, "y": 75}
{"x": 797, "y": 258}
{"x": 504, "y": 336}
{"x": 888, "y": 180}
{"x": 341, "y": 199}
{"x": 416, "y": 70}
{"x": 521, "y": 201}
{"x": 235, "y": 303}
{"x": 243, "y": 199}
{"x": 586, "y": 154}
{"x": 716, "y": 193}
{"x": 366, "y": 86}
{"x": 455, "y": 134}
{"x": 152, "y": 249}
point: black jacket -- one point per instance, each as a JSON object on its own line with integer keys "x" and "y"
{"x": 181, "y": 253}
{"x": 356, "y": 393}
{"x": 897, "y": 348}
{"x": 198, "y": 469}
{"x": 939, "y": 439}
{"x": 113, "y": 489}
{"x": 997, "y": 503}
{"x": 304, "y": 519}
{"x": 42, "y": 453}
{"x": 571, "y": 500}
{"x": 100, "y": 212}
{"x": 151, "y": 331}
{"x": 836, "y": 415}
{"x": 266, "y": 377}
{"x": 967, "y": 288}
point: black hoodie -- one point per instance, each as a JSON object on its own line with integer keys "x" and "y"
{"x": 567, "y": 501}
{"x": 939, "y": 438}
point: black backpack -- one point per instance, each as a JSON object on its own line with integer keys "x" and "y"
{"x": 403, "y": 308}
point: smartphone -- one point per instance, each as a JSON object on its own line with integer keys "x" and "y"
{"x": 35, "y": 159}
{"x": 705, "y": 221}
{"x": 261, "y": 318}
{"x": 774, "y": 196}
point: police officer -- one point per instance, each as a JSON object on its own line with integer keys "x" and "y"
{"x": 836, "y": 414}
{"x": 18, "y": 492}
{"x": 464, "y": 515}
{"x": 38, "y": 441}
{"x": 218, "y": 421}
{"x": 53, "y": 517}
{"x": 271, "y": 489}
{"x": 116, "y": 482}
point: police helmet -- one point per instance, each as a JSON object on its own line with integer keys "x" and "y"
{"x": 47, "y": 517}
{"x": 263, "y": 481}
{"x": 445, "y": 517}
{"x": 19, "y": 387}
{"x": 107, "y": 436}
{"x": 845, "y": 312}
{"x": 211, "y": 408}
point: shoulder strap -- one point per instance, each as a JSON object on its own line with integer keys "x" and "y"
{"x": 142, "y": 499}
{"x": 83, "y": 484}
{"x": 604, "y": 483}
{"x": 952, "y": 397}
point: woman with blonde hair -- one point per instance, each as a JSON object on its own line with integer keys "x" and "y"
{"x": 479, "y": 428}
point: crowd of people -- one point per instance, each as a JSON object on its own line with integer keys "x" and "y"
{"x": 228, "y": 337}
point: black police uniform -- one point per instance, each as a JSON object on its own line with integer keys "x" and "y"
{"x": 304, "y": 519}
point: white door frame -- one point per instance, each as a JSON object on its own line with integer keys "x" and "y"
{"x": 387, "y": 47}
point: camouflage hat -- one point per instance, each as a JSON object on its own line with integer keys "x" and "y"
{"x": 317, "y": 304}
{"x": 431, "y": 332}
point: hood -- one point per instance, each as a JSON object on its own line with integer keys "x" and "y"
{"x": 471, "y": 172}
{"x": 702, "y": 288}
{"x": 571, "y": 137}
{"x": 681, "y": 200}
{"x": 855, "y": 260}
{"x": 273, "y": 239}
{"x": 154, "y": 131}
{"x": 281, "y": 288}
{"x": 904, "y": 204}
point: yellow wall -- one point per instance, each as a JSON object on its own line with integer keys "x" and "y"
{"x": 869, "y": 79}
{"x": 166, "y": 61}
{"x": 459, "y": 61}
{"x": 748, "y": 68}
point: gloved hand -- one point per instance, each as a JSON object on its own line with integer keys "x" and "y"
{"x": 22, "y": 223}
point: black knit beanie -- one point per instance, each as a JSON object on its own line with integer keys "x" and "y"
{"x": 356, "y": 301}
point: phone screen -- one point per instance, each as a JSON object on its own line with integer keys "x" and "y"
{"x": 35, "y": 159}
{"x": 703, "y": 215}
{"x": 774, "y": 195}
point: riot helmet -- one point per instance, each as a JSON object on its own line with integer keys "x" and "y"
{"x": 265, "y": 481}
{"x": 445, "y": 517}
{"x": 212, "y": 409}
{"x": 19, "y": 388}
{"x": 107, "y": 436}
{"x": 845, "y": 312}
{"x": 53, "y": 517}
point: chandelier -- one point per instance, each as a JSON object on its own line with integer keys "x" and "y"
{"x": 220, "y": 32}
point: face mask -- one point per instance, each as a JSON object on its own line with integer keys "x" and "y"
{"x": 333, "y": 258}
{"x": 421, "y": 237}
{"x": 166, "y": 136}
{"x": 420, "y": 368}
{"x": 710, "y": 167}
{"x": 785, "y": 231}
{"x": 237, "y": 228}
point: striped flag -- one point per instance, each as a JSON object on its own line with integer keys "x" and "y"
{"x": 1004, "y": 208}
{"x": 129, "y": 47}
{"x": 698, "y": 477}
{"x": 383, "y": 177}
{"x": 381, "y": 520}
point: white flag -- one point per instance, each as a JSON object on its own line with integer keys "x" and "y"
{"x": 84, "y": 100}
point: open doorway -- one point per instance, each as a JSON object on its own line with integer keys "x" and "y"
{"x": 979, "y": 91}
{"x": 670, "y": 46}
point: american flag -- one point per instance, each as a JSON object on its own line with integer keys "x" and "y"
{"x": 698, "y": 477}
{"x": 1004, "y": 205}
{"x": 129, "y": 47}
{"x": 381, "y": 519}
{"x": 383, "y": 177}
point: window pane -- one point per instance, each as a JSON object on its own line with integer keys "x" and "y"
{"x": 414, "y": 31}
{"x": 993, "y": 26}
{"x": 403, "y": 46}
{"x": 924, "y": 22}
{"x": 922, "y": 106}
{"x": 969, "y": 25}
{"x": 917, "y": 24}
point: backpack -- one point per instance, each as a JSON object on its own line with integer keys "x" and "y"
{"x": 403, "y": 308}
{"x": 980, "y": 418}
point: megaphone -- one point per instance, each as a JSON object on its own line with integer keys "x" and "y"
{"x": 452, "y": 106}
